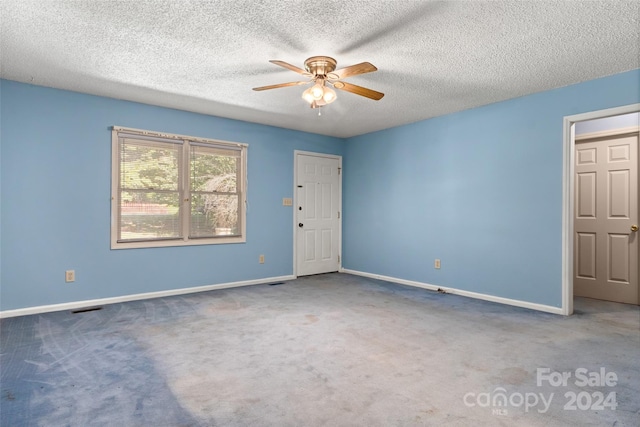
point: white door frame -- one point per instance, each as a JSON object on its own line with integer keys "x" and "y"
{"x": 568, "y": 195}
{"x": 295, "y": 204}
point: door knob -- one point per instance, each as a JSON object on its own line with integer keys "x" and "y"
{"x": 634, "y": 227}
{"x": 301, "y": 224}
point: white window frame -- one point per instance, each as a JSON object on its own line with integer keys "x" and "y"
{"x": 118, "y": 132}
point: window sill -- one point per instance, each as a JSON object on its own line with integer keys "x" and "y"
{"x": 178, "y": 242}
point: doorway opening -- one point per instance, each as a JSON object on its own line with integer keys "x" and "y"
{"x": 582, "y": 188}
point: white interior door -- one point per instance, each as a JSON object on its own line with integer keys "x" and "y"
{"x": 606, "y": 214}
{"x": 317, "y": 216}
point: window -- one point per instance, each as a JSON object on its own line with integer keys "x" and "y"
{"x": 173, "y": 190}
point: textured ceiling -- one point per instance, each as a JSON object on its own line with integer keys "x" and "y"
{"x": 433, "y": 58}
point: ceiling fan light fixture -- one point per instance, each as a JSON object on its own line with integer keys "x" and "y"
{"x": 308, "y": 96}
{"x": 317, "y": 90}
{"x": 319, "y": 95}
{"x": 329, "y": 95}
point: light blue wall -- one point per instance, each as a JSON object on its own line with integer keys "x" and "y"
{"x": 56, "y": 184}
{"x": 608, "y": 123}
{"x": 480, "y": 189}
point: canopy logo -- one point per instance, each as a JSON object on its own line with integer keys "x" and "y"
{"x": 499, "y": 401}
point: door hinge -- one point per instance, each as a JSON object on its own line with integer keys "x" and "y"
{"x": 339, "y": 171}
{"x": 338, "y": 259}
{"x": 338, "y": 214}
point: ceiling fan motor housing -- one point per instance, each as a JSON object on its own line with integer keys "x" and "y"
{"x": 320, "y": 65}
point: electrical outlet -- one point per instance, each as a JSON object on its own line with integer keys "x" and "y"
{"x": 70, "y": 276}
{"x": 261, "y": 259}
{"x": 436, "y": 264}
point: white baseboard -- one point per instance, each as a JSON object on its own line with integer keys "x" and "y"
{"x": 485, "y": 297}
{"x": 134, "y": 297}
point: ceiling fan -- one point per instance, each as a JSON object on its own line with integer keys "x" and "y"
{"x": 321, "y": 71}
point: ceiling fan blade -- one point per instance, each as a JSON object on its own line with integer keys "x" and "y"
{"x": 354, "y": 70}
{"x": 359, "y": 90}
{"x": 280, "y": 85}
{"x": 289, "y": 66}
